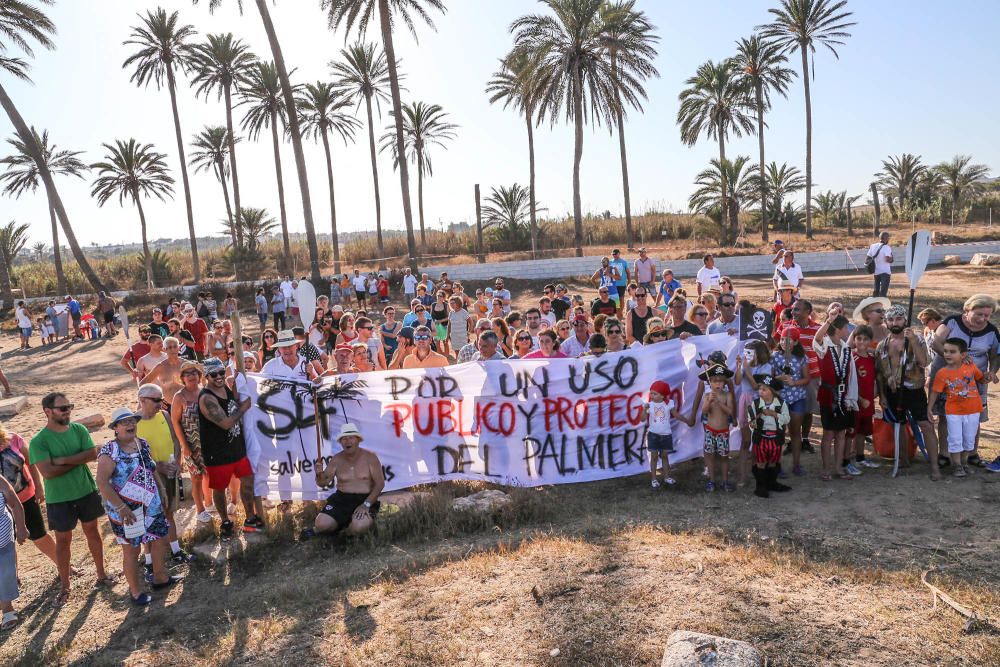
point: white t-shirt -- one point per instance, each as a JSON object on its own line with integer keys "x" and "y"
{"x": 709, "y": 278}
{"x": 881, "y": 252}
{"x": 659, "y": 416}
{"x": 550, "y": 318}
{"x": 503, "y": 295}
{"x": 23, "y": 321}
{"x": 792, "y": 274}
{"x": 644, "y": 270}
{"x": 286, "y": 289}
{"x": 410, "y": 284}
{"x": 360, "y": 283}
{"x": 277, "y": 368}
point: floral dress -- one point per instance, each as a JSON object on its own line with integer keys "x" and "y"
{"x": 134, "y": 479}
{"x": 783, "y": 363}
{"x": 189, "y": 422}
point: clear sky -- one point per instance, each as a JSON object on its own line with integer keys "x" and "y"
{"x": 916, "y": 76}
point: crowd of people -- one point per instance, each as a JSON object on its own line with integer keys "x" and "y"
{"x": 842, "y": 365}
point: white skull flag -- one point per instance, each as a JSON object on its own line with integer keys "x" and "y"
{"x": 755, "y": 323}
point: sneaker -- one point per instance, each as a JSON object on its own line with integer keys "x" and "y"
{"x": 959, "y": 471}
{"x": 852, "y": 469}
{"x": 182, "y": 557}
{"x": 147, "y": 572}
{"x": 868, "y": 463}
{"x": 709, "y": 486}
{"x": 975, "y": 461}
{"x": 226, "y": 530}
{"x": 254, "y": 525}
{"x": 808, "y": 446}
{"x": 670, "y": 481}
{"x": 798, "y": 470}
{"x": 728, "y": 487}
{"x": 704, "y": 471}
{"x": 205, "y": 517}
{"x": 995, "y": 466}
{"x": 655, "y": 483}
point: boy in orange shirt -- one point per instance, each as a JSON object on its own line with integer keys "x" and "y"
{"x": 962, "y": 405}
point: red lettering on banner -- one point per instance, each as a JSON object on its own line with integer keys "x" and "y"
{"x": 400, "y": 413}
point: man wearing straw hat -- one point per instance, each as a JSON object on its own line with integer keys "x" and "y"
{"x": 288, "y": 363}
{"x": 358, "y": 476}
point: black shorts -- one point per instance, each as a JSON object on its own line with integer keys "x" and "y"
{"x": 63, "y": 516}
{"x": 621, "y": 293}
{"x": 33, "y": 519}
{"x": 913, "y": 401}
{"x": 109, "y": 317}
{"x": 835, "y": 422}
{"x": 340, "y": 507}
{"x": 660, "y": 443}
{"x": 359, "y": 295}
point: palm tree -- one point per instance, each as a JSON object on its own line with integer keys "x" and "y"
{"x": 134, "y": 171}
{"x": 361, "y": 12}
{"x": 22, "y": 176}
{"x": 899, "y": 177}
{"x": 781, "y": 181}
{"x": 262, "y": 92}
{"x": 257, "y": 223}
{"x": 761, "y": 64}
{"x": 828, "y": 207}
{"x": 212, "y": 153}
{"x": 715, "y": 103}
{"x": 725, "y": 186}
{"x": 320, "y": 107}
{"x": 960, "y": 177}
{"x": 424, "y": 125}
{"x": 362, "y": 77}
{"x": 38, "y": 250}
{"x": 516, "y": 84}
{"x": 21, "y": 24}
{"x": 162, "y": 45}
{"x": 799, "y": 25}
{"x": 628, "y": 37}
{"x": 575, "y": 75}
{"x": 293, "y": 128}
{"x": 13, "y": 238}
{"x": 505, "y": 213}
{"x": 220, "y": 64}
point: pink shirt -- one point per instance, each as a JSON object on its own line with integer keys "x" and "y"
{"x": 8, "y": 460}
{"x": 538, "y": 354}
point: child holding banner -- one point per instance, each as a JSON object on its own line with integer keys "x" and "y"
{"x": 659, "y": 436}
{"x": 717, "y": 412}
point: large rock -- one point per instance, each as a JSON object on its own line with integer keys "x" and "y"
{"x": 485, "y": 502}
{"x": 12, "y": 406}
{"x": 985, "y": 259}
{"x": 951, "y": 260}
{"x": 92, "y": 419}
{"x": 693, "y": 649}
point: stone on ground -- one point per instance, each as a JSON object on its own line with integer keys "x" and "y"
{"x": 483, "y": 501}
{"x": 694, "y": 649}
{"x": 12, "y": 406}
{"x": 951, "y": 260}
{"x": 92, "y": 419}
{"x": 985, "y": 259}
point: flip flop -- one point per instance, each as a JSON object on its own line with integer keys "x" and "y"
{"x": 60, "y": 599}
{"x": 10, "y": 619}
{"x": 172, "y": 580}
{"x": 845, "y": 476}
{"x": 107, "y": 582}
{"x": 824, "y": 477}
{"x": 142, "y": 599}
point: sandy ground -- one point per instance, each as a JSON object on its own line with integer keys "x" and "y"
{"x": 827, "y": 574}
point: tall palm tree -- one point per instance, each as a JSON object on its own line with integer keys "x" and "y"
{"x": 424, "y": 125}
{"x": 262, "y": 93}
{"x": 575, "y": 75}
{"x": 21, "y": 24}
{"x": 799, "y": 25}
{"x": 162, "y": 45}
{"x": 715, "y": 103}
{"x": 293, "y": 128}
{"x": 360, "y": 13}
{"x": 212, "y": 153}
{"x": 628, "y": 37}
{"x": 516, "y": 84}
{"x": 221, "y": 64}
{"x": 960, "y": 177}
{"x": 22, "y": 176}
{"x": 781, "y": 181}
{"x": 363, "y": 76}
{"x": 762, "y": 66}
{"x": 504, "y": 214}
{"x": 320, "y": 107}
{"x": 899, "y": 177}
{"x": 134, "y": 171}
{"x": 728, "y": 186}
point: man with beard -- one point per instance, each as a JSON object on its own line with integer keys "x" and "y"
{"x": 900, "y": 360}
{"x": 167, "y": 374}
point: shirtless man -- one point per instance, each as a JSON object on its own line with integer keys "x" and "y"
{"x": 146, "y": 363}
{"x": 357, "y": 474}
{"x": 167, "y": 374}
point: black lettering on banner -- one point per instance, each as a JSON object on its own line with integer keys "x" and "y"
{"x": 528, "y": 414}
{"x": 486, "y": 460}
{"x": 600, "y": 376}
{"x": 264, "y": 404}
{"x": 290, "y": 467}
{"x": 388, "y": 473}
{"x": 447, "y": 460}
{"x": 631, "y": 437}
{"x": 398, "y": 385}
{"x": 523, "y": 381}
{"x": 594, "y": 454}
{"x": 303, "y": 416}
{"x": 612, "y": 463}
{"x": 425, "y": 382}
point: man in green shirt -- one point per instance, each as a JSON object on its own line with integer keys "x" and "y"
{"x": 61, "y": 452}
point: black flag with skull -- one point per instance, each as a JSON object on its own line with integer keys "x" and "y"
{"x": 755, "y": 323}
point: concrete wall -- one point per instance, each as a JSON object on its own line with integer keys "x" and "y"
{"x": 747, "y": 265}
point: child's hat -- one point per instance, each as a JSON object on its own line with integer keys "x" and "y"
{"x": 717, "y": 357}
{"x": 769, "y": 380}
{"x": 715, "y": 370}
{"x": 660, "y": 387}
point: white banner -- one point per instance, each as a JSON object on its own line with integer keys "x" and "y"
{"x": 524, "y": 423}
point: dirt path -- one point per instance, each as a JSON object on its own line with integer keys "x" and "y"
{"x": 827, "y": 574}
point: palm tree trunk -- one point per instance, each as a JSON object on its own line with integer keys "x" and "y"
{"x": 172, "y": 88}
{"x": 378, "y": 198}
{"x": 50, "y": 189}
{"x": 878, "y": 211}
{"x": 850, "y": 220}
{"x": 56, "y": 254}
{"x": 281, "y": 191}
{"x": 577, "y": 159}
{"x": 229, "y": 209}
{"x": 232, "y": 164}
{"x": 5, "y": 290}
{"x": 293, "y": 127}
{"x": 531, "y": 186}
{"x": 145, "y": 243}
{"x": 954, "y": 205}
{"x": 420, "y": 196}
{"x": 803, "y": 48}
{"x": 724, "y": 216}
{"x": 619, "y": 119}
{"x": 385, "y": 19}
{"x": 760, "y": 147}
{"x": 333, "y": 204}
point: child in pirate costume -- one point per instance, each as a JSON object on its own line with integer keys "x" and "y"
{"x": 767, "y": 417}
{"x": 718, "y": 408}
{"x": 837, "y": 395}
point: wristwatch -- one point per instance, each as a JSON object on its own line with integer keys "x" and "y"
{"x": 368, "y": 505}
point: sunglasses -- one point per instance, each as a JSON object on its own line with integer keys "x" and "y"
{"x": 878, "y": 310}
{"x": 63, "y": 408}
{"x": 563, "y": 328}
{"x": 268, "y": 337}
{"x": 215, "y": 374}
{"x": 657, "y": 334}
{"x": 366, "y": 328}
{"x": 639, "y": 295}
{"x": 726, "y": 304}
{"x": 579, "y": 324}
{"x": 151, "y": 398}
{"x": 612, "y": 332}
{"x": 701, "y": 314}
{"x": 522, "y": 339}
{"x": 422, "y": 337}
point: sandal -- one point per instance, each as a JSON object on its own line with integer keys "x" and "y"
{"x": 61, "y": 599}
{"x": 107, "y": 582}
{"x": 825, "y": 477}
{"x": 844, "y": 476}
{"x": 10, "y": 619}
{"x": 171, "y": 580}
{"x": 142, "y": 599}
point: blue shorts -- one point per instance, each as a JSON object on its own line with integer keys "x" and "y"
{"x": 799, "y": 407}
{"x": 656, "y": 442}
{"x": 26, "y": 332}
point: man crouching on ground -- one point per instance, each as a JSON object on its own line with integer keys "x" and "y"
{"x": 359, "y": 481}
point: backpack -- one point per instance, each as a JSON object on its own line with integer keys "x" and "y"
{"x": 758, "y": 428}
{"x": 870, "y": 259}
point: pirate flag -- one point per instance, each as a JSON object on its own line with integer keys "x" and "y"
{"x": 755, "y": 323}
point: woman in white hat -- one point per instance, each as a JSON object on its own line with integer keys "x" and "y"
{"x": 871, "y": 311}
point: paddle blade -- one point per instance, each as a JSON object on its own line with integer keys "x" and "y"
{"x": 123, "y": 316}
{"x": 305, "y": 296}
{"x": 918, "y": 251}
